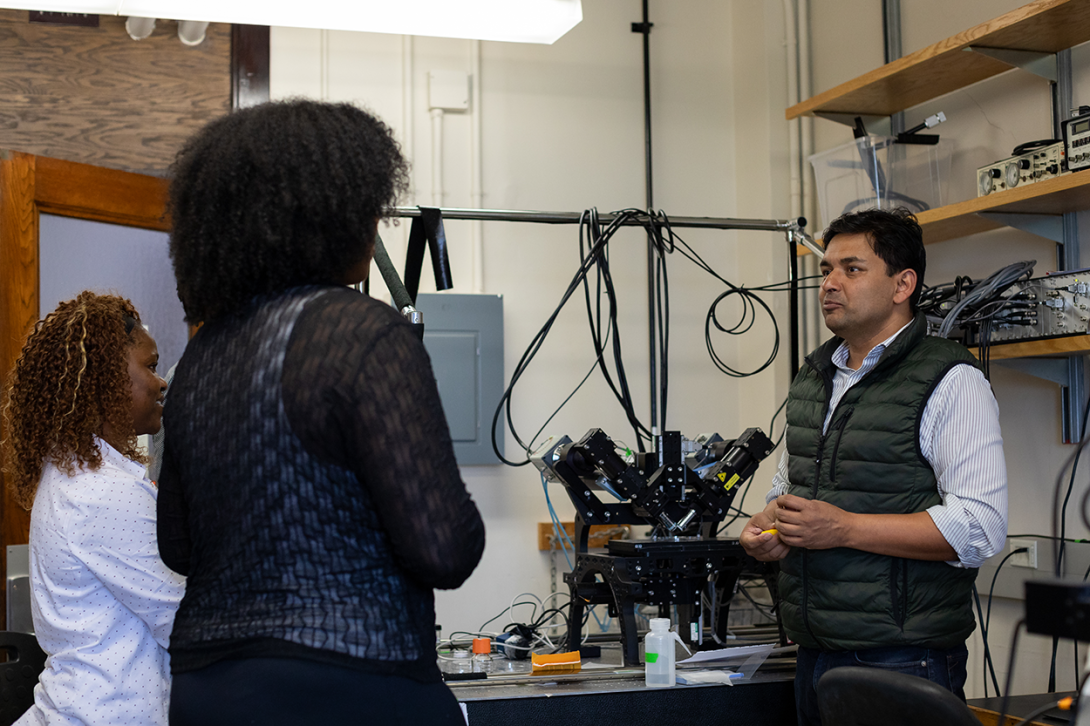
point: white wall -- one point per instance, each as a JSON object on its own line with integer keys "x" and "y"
{"x": 985, "y": 122}
{"x": 561, "y": 129}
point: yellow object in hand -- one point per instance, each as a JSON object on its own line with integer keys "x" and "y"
{"x": 770, "y": 531}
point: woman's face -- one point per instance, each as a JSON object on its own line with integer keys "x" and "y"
{"x": 148, "y": 388}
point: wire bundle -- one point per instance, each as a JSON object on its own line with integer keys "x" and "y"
{"x": 602, "y": 309}
{"x": 594, "y": 257}
{"x": 979, "y": 305}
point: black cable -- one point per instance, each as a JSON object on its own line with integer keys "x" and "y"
{"x": 967, "y": 303}
{"x": 1033, "y": 145}
{"x": 562, "y": 404}
{"x": 987, "y": 623}
{"x": 621, "y": 390}
{"x": 594, "y": 257}
{"x": 744, "y": 324}
{"x": 785, "y": 286}
{"x": 1061, "y": 546}
{"x": 527, "y": 357}
{"x": 1010, "y": 673}
{"x": 1045, "y": 536}
{"x": 772, "y": 425}
{"x": 593, "y": 250}
{"x": 594, "y": 314}
{"x": 766, "y": 610}
{"x": 664, "y": 242}
{"x": 506, "y": 609}
{"x": 737, "y": 509}
{"x": 660, "y": 345}
{"x": 749, "y": 300}
{"x": 987, "y": 652}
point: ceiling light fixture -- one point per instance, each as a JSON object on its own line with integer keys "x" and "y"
{"x": 520, "y": 21}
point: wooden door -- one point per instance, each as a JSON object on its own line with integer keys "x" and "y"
{"x": 29, "y": 186}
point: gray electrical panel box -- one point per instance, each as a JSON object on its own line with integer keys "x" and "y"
{"x": 464, "y": 338}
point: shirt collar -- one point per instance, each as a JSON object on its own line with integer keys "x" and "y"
{"x": 840, "y": 355}
{"x": 115, "y": 458}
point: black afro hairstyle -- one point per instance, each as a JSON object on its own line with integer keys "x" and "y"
{"x": 275, "y": 196}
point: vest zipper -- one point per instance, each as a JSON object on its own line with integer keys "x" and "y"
{"x": 839, "y": 425}
{"x": 817, "y": 478}
{"x": 898, "y": 590}
{"x": 806, "y": 553}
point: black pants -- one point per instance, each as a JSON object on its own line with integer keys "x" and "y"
{"x": 271, "y": 691}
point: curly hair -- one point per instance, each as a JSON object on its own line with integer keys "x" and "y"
{"x": 70, "y": 381}
{"x": 275, "y": 196}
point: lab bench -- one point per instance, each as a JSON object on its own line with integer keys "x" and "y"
{"x": 605, "y": 693}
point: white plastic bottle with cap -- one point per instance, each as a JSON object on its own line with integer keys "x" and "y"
{"x": 658, "y": 654}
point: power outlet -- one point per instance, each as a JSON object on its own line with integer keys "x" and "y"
{"x": 1027, "y": 558}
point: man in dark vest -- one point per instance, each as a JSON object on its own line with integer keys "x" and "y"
{"x": 892, "y": 490}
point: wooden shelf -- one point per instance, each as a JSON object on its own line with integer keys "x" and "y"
{"x": 1045, "y": 26}
{"x": 1066, "y": 193}
{"x": 1072, "y": 345}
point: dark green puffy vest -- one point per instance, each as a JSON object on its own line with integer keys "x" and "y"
{"x": 869, "y": 461}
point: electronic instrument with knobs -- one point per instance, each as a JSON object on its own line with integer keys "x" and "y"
{"x": 1076, "y": 133}
{"x": 1028, "y": 167}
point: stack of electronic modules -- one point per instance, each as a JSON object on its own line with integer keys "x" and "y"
{"x": 1010, "y": 306}
{"x": 1045, "y": 307}
{"x": 1037, "y": 161}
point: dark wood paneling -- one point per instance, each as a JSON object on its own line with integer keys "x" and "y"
{"x": 30, "y": 185}
{"x": 249, "y": 65}
{"x": 96, "y": 96}
{"x": 18, "y": 309}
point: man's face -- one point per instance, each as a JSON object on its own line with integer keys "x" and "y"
{"x": 858, "y": 296}
{"x": 147, "y": 387}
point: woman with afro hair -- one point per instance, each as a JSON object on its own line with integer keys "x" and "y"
{"x": 84, "y": 387}
{"x": 309, "y": 488}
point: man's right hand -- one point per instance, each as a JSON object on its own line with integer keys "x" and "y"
{"x": 758, "y": 542}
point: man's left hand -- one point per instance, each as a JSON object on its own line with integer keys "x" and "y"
{"x": 812, "y": 524}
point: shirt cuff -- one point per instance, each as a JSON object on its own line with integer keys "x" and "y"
{"x": 956, "y": 531}
{"x": 775, "y": 491}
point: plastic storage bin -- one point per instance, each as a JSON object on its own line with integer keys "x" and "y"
{"x": 875, "y": 171}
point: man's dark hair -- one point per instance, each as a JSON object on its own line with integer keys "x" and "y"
{"x": 275, "y": 196}
{"x": 894, "y": 235}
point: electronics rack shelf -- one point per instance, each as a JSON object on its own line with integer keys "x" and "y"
{"x": 1055, "y": 347}
{"x": 1045, "y": 26}
{"x": 1056, "y": 196}
{"x": 1066, "y": 193}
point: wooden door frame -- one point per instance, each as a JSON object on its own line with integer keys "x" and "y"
{"x": 29, "y": 186}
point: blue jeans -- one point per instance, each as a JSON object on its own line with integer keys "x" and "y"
{"x": 944, "y": 667}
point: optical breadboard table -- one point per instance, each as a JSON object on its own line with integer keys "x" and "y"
{"x": 616, "y": 696}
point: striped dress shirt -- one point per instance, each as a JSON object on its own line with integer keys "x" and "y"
{"x": 961, "y": 440}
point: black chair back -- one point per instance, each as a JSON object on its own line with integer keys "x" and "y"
{"x": 19, "y": 675}
{"x": 853, "y": 696}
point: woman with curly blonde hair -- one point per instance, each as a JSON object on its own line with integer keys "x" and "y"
{"x": 84, "y": 387}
